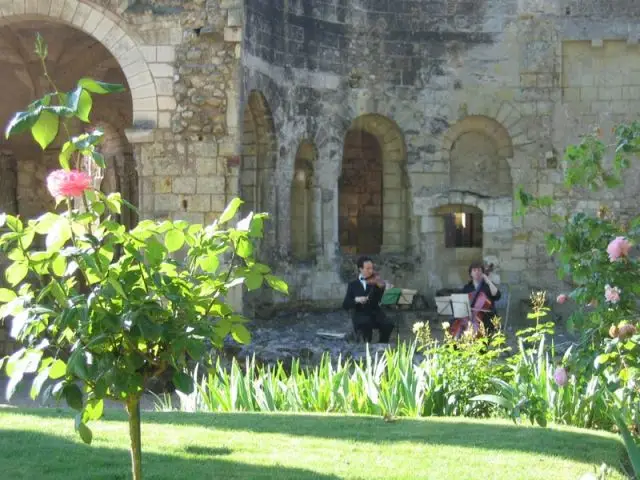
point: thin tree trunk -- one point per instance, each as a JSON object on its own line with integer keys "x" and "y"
{"x": 133, "y": 409}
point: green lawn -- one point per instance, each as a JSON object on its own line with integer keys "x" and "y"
{"x": 42, "y": 444}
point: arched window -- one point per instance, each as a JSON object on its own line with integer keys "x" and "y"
{"x": 302, "y": 204}
{"x": 373, "y": 197}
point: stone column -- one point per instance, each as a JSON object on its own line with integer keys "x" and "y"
{"x": 8, "y": 204}
{"x": 8, "y": 183}
{"x": 141, "y": 141}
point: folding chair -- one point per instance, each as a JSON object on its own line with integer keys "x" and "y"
{"x": 504, "y": 304}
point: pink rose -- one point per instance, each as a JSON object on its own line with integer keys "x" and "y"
{"x": 562, "y": 298}
{"x": 65, "y": 183}
{"x": 611, "y": 294}
{"x": 618, "y": 247}
{"x": 560, "y": 376}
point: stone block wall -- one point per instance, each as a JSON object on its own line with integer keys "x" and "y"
{"x": 483, "y": 96}
{"x": 465, "y": 100}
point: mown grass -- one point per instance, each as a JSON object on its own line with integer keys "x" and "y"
{"x": 41, "y": 443}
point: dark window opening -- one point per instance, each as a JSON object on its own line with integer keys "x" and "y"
{"x": 463, "y": 230}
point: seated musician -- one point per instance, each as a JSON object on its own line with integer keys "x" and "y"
{"x": 480, "y": 282}
{"x": 363, "y": 296}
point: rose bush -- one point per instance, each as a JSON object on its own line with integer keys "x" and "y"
{"x": 99, "y": 309}
{"x": 594, "y": 254}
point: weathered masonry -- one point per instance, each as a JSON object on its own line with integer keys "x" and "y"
{"x": 395, "y": 128}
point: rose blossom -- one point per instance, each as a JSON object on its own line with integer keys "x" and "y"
{"x": 560, "y": 376}
{"x": 626, "y": 330}
{"x": 68, "y": 183}
{"x": 611, "y": 294}
{"x": 618, "y": 247}
{"x": 562, "y": 298}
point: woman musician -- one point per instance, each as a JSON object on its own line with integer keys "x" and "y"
{"x": 483, "y": 295}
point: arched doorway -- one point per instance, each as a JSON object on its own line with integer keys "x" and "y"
{"x": 258, "y": 161}
{"x": 72, "y": 54}
{"x": 373, "y": 210}
{"x": 360, "y": 188}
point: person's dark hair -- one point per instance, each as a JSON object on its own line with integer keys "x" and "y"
{"x": 476, "y": 265}
{"x": 362, "y": 260}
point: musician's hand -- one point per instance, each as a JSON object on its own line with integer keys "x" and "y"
{"x": 362, "y": 299}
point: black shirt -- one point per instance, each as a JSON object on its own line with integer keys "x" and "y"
{"x": 356, "y": 289}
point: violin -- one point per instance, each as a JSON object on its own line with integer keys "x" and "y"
{"x": 375, "y": 279}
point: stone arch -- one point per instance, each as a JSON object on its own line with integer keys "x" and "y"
{"x": 479, "y": 150}
{"x": 259, "y": 150}
{"x": 258, "y": 160}
{"x": 382, "y": 135}
{"x": 72, "y": 53}
{"x": 106, "y": 28}
{"x": 303, "y": 203}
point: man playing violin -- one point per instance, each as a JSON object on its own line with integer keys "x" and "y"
{"x": 480, "y": 282}
{"x": 363, "y": 296}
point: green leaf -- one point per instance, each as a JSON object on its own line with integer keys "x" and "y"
{"x": 117, "y": 287}
{"x": 45, "y": 130}
{"x": 58, "y": 235}
{"x": 58, "y": 369}
{"x": 36, "y": 386}
{"x": 244, "y": 248}
{"x": 230, "y": 211}
{"x": 99, "y": 159}
{"x": 209, "y": 263}
{"x": 73, "y": 99}
{"x": 59, "y": 266}
{"x": 21, "y": 122}
{"x": 7, "y": 295}
{"x": 277, "y": 284}
{"x": 495, "y": 399}
{"x": 100, "y": 88}
{"x": 196, "y": 349}
{"x": 240, "y": 334}
{"x": 174, "y": 240}
{"x": 77, "y": 364}
{"x": 632, "y": 448}
{"x": 16, "y": 272}
{"x": 253, "y": 281}
{"x": 45, "y": 222}
{"x": 93, "y": 410}
{"x": 83, "y": 430}
{"x": 183, "y": 382}
{"x": 84, "y": 106}
{"x": 73, "y": 396}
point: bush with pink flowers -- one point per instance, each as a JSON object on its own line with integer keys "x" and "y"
{"x": 594, "y": 253}
{"x": 100, "y": 309}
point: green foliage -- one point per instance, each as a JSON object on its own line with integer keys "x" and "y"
{"x": 607, "y": 357}
{"x": 102, "y": 310}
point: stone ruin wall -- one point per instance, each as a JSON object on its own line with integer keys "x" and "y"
{"x": 499, "y": 87}
{"x": 172, "y": 140}
{"x": 257, "y": 98}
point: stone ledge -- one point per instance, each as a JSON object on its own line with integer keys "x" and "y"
{"x": 136, "y": 135}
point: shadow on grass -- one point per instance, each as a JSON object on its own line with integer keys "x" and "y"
{"x": 582, "y": 446}
{"x": 208, "y": 451}
{"x": 28, "y": 455}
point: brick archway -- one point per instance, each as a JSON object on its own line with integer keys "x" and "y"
{"x": 107, "y": 28}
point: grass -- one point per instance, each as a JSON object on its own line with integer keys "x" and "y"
{"x": 41, "y": 443}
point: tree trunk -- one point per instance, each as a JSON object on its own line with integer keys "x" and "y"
{"x": 133, "y": 409}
